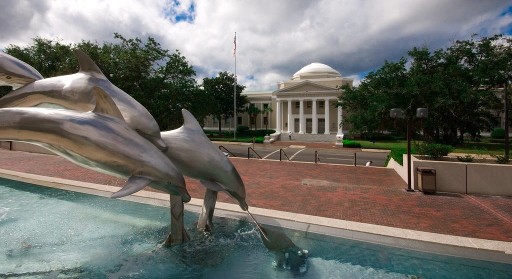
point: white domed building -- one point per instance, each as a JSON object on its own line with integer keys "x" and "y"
{"x": 303, "y": 105}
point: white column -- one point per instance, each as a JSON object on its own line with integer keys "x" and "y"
{"x": 327, "y": 121}
{"x": 315, "y": 118}
{"x": 278, "y": 116}
{"x": 340, "y": 119}
{"x": 301, "y": 118}
{"x": 290, "y": 119}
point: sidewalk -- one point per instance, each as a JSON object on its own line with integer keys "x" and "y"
{"x": 360, "y": 194}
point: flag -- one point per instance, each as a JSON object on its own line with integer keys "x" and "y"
{"x": 234, "y": 45}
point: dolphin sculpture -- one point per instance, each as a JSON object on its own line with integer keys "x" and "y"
{"x": 197, "y": 157}
{"x": 74, "y": 92}
{"x": 16, "y": 73}
{"x": 99, "y": 140}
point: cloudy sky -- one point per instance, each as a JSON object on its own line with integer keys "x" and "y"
{"x": 275, "y": 38}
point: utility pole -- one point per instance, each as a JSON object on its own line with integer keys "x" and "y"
{"x": 234, "y": 93}
{"x": 507, "y": 124}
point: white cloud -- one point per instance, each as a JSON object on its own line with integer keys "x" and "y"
{"x": 274, "y": 38}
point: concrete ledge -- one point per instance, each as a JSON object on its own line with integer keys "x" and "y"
{"x": 311, "y": 226}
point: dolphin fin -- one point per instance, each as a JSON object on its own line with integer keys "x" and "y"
{"x": 105, "y": 104}
{"x": 87, "y": 65}
{"x": 16, "y": 73}
{"x": 134, "y": 184}
{"x": 214, "y": 186}
{"x": 189, "y": 121}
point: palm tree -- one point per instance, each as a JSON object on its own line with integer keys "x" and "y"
{"x": 266, "y": 110}
{"x": 253, "y": 112}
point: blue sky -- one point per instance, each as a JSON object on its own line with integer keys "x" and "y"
{"x": 274, "y": 38}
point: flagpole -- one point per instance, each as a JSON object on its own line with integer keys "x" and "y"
{"x": 234, "y": 93}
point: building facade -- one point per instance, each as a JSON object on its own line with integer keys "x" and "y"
{"x": 305, "y": 104}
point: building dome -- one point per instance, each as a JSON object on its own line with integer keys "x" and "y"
{"x": 315, "y": 71}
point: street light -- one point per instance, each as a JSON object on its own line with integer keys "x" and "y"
{"x": 398, "y": 113}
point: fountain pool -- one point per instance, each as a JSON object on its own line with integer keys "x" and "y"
{"x": 47, "y": 233}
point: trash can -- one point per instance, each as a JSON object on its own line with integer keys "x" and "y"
{"x": 427, "y": 180}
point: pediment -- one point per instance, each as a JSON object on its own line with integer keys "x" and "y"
{"x": 306, "y": 86}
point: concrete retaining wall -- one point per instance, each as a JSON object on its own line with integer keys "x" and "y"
{"x": 450, "y": 176}
{"x": 490, "y": 179}
{"x": 464, "y": 178}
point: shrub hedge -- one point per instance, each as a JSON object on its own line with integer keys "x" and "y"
{"x": 351, "y": 144}
{"x": 434, "y": 150}
{"x": 498, "y": 133}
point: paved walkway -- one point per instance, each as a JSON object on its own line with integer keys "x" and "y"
{"x": 361, "y": 194}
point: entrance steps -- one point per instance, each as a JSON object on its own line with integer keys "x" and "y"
{"x": 308, "y": 137}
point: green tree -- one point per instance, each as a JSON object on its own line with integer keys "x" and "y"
{"x": 161, "y": 81}
{"x": 492, "y": 61}
{"x": 369, "y": 104}
{"x": 220, "y": 90}
{"x": 49, "y": 57}
{"x": 446, "y": 81}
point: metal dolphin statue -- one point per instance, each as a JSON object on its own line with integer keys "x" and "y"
{"x": 74, "y": 92}
{"x": 197, "y": 157}
{"x": 99, "y": 140}
{"x": 16, "y": 73}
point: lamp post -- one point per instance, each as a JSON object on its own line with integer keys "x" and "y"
{"x": 398, "y": 113}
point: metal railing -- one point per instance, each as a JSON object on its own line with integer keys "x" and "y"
{"x": 317, "y": 157}
{"x": 249, "y": 152}
{"x": 222, "y": 148}
{"x": 281, "y": 152}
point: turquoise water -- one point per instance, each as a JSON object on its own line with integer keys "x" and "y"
{"x": 49, "y": 233}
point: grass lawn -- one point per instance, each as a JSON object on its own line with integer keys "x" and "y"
{"x": 481, "y": 148}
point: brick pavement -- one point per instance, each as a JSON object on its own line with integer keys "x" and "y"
{"x": 361, "y": 194}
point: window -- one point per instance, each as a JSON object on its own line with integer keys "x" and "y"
{"x": 297, "y": 104}
{"x": 321, "y": 104}
{"x": 265, "y": 120}
{"x": 308, "y": 104}
{"x": 239, "y": 120}
{"x": 265, "y": 106}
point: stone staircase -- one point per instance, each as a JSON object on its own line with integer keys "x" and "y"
{"x": 309, "y": 137}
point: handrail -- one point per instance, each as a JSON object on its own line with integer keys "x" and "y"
{"x": 225, "y": 149}
{"x": 317, "y": 158}
{"x": 281, "y": 151}
{"x": 249, "y": 152}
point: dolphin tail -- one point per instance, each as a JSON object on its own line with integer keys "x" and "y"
{"x": 134, "y": 184}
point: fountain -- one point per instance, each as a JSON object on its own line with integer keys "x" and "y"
{"x": 104, "y": 129}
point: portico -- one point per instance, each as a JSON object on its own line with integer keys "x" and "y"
{"x": 310, "y": 117}
{"x": 305, "y": 104}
